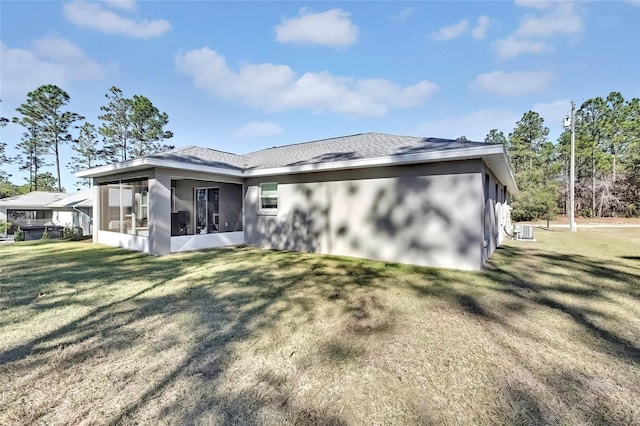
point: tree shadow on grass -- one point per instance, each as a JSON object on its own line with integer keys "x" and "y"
{"x": 250, "y": 291}
{"x": 234, "y": 295}
{"x": 598, "y": 282}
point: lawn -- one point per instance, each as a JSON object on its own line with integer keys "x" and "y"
{"x": 548, "y": 333}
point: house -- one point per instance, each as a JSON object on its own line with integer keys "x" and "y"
{"x": 415, "y": 200}
{"x": 76, "y": 210}
{"x": 37, "y": 209}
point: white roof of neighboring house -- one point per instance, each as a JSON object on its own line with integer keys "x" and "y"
{"x": 82, "y": 198}
{"x": 48, "y": 200}
{"x": 35, "y": 199}
{"x": 345, "y": 152}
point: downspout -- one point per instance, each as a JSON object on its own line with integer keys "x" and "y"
{"x": 83, "y": 213}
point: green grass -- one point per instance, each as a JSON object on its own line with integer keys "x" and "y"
{"x": 548, "y": 333}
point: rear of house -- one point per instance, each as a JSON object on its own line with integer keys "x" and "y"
{"x": 394, "y": 198}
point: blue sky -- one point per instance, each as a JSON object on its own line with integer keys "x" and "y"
{"x": 241, "y": 76}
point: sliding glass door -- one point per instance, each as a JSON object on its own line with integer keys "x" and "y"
{"x": 207, "y": 210}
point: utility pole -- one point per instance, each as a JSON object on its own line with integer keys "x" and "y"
{"x": 570, "y": 123}
{"x": 572, "y": 173}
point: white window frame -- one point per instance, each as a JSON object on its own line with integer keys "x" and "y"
{"x": 263, "y": 210}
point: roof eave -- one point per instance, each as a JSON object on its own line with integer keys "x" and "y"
{"x": 394, "y": 160}
{"x": 494, "y": 156}
{"x": 142, "y": 163}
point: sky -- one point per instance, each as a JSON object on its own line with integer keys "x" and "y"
{"x": 242, "y": 76}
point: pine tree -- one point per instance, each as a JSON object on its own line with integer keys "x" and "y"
{"x": 132, "y": 128}
{"x": 495, "y": 137}
{"x": 147, "y": 131}
{"x": 525, "y": 142}
{"x": 51, "y": 126}
{"x": 31, "y": 157}
{"x": 88, "y": 152}
{"x": 3, "y": 155}
{"x": 116, "y": 126}
{"x": 534, "y": 161}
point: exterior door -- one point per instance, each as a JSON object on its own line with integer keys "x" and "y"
{"x": 207, "y": 210}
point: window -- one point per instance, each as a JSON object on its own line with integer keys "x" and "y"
{"x": 486, "y": 187}
{"x": 269, "y": 196}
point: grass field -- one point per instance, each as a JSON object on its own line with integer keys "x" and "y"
{"x": 548, "y": 333}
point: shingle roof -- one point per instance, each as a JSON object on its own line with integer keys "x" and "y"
{"x": 353, "y": 147}
{"x": 360, "y": 150}
{"x": 204, "y": 156}
{"x": 32, "y": 199}
{"x": 359, "y": 146}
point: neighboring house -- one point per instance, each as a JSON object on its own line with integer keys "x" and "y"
{"x": 40, "y": 208}
{"x": 405, "y": 199}
{"x": 76, "y": 210}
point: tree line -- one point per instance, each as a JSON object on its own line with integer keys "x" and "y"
{"x": 129, "y": 128}
{"x": 607, "y": 161}
{"x": 607, "y": 150}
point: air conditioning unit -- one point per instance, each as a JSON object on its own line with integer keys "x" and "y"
{"x": 527, "y": 232}
{"x": 523, "y": 232}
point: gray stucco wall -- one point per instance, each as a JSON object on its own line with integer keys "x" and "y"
{"x": 495, "y": 201}
{"x": 426, "y": 214}
{"x": 160, "y": 213}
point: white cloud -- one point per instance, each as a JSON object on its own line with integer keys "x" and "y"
{"x": 95, "y": 17}
{"x": 452, "y": 31}
{"x": 258, "y": 129}
{"x": 534, "y": 4}
{"x": 403, "y": 14}
{"x": 332, "y": 28}
{"x": 510, "y": 47}
{"x": 479, "y": 32}
{"x": 53, "y": 60}
{"x": 277, "y": 87}
{"x": 562, "y": 19}
{"x": 537, "y": 30}
{"x": 512, "y": 83}
{"x": 76, "y": 62}
{"x": 122, "y": 4}
{"x": 474, "y": 126}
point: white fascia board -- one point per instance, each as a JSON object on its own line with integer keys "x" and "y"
{"x": 500, "y": 167}
{"x": 396, "y": 160}
{"x": 140, "y": 163}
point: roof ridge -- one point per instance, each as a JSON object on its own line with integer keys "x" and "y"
{"x": 216, "y": 150}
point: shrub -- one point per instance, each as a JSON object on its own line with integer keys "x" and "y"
{"x": 18, "y": 234}
{"x": 45, "y": 234}
{"x": 76, "y": 233}
{"x": 72, "y": 233}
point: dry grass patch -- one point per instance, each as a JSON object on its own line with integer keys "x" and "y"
{"x": 547, "y": 333}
